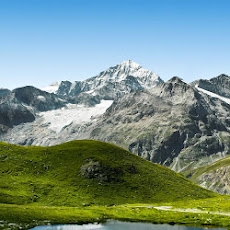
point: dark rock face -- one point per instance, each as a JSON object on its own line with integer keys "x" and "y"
{"x": 4, "y": 93}
{"x": 64, "y": 88}
{"x": 85, "y": 99}
{"x": 20, "y": 105}
{"x": 14, "y": 114}
{"x": 219, "y": 85}
{"x": 163, "y": 154}
{"x": 38, "y": 99}
{"x": 174, "y": 125}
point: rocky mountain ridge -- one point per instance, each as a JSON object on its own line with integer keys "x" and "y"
{"x": 21, "y": 105}
{"x": 179, "y": 125}
{"x": 219, "y": 85}
{"x": 173, "y": 124}
{"x": 111, "y": 83}
{"x": 161, "y": 126}
{"x": 27, "y": 104}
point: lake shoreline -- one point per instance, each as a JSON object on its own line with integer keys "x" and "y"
{"x": 122, "y": 225}
{"x": 29, "y": 216}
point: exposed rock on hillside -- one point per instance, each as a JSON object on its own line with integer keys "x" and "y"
{"x": 38, "y": 99}
{"x": 14, "y": 114}
{"x": 219, "y": 85}
{"x": 96, "y": 170}
{"x": 217, "y": 180}
{"x": 214, "y": 177}
{"x": 173, "y": 125}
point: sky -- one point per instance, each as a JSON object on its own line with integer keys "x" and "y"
{"x": 45, "y": 41}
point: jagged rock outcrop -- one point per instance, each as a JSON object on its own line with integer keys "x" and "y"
{"x": 215, "y": 176}
{"x": 219, "y": 85}
{"x": 4, "y": 93}
{"x": 174, "y": 125}
{"x": 20, "y": 105}
{"x": 217, "y": 180}
{"x": 14, "y": 114}
{"x": 38, "y": 99}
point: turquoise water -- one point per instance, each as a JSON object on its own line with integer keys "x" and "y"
{"x": 117, "y": 225}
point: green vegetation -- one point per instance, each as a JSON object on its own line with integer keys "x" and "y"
{"x": 217, "y": 204}
{"x": 63, "y": 175}
{"x": 195, "y": 173}
{"x": 28, "y": 216}
{"x": 88, "y": 181}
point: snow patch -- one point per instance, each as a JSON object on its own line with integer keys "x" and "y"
{"x": 92, "y": 92}
{"x": 227, "y": 100}
{"x": 41, "y": 98}
{"x": 72, "y": 86}
{"x": 72, "y": 113}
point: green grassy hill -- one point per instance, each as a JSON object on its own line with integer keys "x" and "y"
{"x": 85, "y": 173}
{"x": 215, "y": 176}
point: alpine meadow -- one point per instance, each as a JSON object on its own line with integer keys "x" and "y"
{"x": 114, "y": 115}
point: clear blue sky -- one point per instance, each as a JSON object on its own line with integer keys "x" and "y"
{"x": 43, "y": 41}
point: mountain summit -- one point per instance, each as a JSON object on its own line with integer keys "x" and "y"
{"x": 112, "y": 83}
{"x": 130, "y": 68}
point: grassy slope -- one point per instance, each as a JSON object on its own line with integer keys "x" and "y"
{"x": 27, "y": 216}
{"x": 38, "y": 183}
{"x": 51, "y": 176}
{"x": 195, "y": 173}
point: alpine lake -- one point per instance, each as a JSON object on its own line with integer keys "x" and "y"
{"x": 118, "y": 225}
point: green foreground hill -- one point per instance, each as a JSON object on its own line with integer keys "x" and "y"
{"x": 86, "y": 173}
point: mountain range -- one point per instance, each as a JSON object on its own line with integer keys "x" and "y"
{"x": 182, "y": 126}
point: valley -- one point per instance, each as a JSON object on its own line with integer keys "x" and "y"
{"x": 176, "y": 124}
{"x": 123, "y": 145}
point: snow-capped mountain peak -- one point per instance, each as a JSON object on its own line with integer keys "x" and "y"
{"x": 111, "y": 83}
{"x": 128, "y": 68}
{"x": 130, "y": 64}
